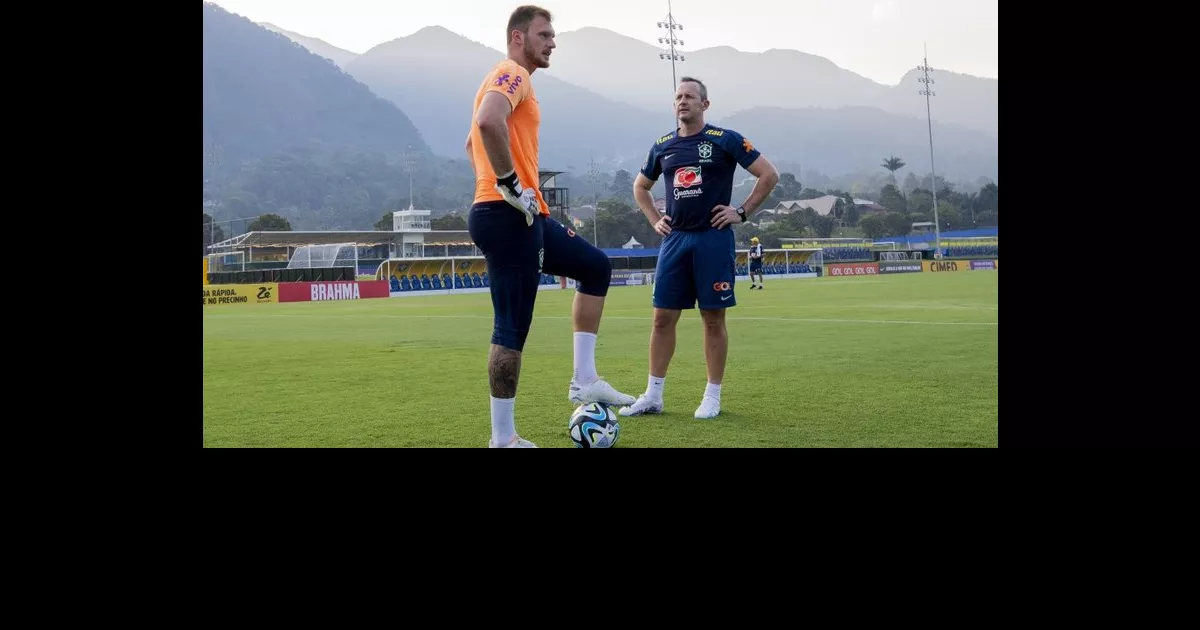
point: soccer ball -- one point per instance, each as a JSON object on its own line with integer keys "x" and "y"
{"x": 594, "y": 425}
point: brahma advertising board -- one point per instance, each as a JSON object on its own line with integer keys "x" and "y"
{"x": 326, "y": 291}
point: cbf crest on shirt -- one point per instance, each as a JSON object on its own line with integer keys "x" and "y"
{"x": 699, "y": 170}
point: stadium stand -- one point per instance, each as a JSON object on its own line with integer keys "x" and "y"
{"x": 846, "y": 254}
{"x": 796, "y": 256}
{"x": 976, "y": 243}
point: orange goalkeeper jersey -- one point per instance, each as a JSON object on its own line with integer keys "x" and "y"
{"x": 511, "y": 80}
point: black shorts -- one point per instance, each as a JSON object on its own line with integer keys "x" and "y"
{"x": 517, "y": 256}
{"x": 755, "y": 265}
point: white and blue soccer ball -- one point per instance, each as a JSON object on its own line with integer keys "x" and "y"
{"x": 594, "y": 425}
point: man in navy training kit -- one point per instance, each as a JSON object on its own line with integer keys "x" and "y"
{"x": 696, "y": 258}
{"x": 755, "y": 257}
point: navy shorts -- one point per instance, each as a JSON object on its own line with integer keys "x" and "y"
{"x": 695, "y": 267}
{"x": 756, "y": 265}
{"x": 517, "y": 256}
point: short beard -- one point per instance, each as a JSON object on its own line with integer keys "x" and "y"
{"x": 535, "y": 58}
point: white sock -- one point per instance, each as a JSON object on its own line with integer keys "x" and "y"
{"x": 503, "y": 425}
{"x": 713, "y": 391}
{"x": 654, "y": 387}
{"x": 585, "y": 358}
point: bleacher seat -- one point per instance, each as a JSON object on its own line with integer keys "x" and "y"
{"x": 476, "y": 281}
{"x": 458, "y": 281}
{"x": 405, "y": 285}
{"x": 446, "y": 281}
{"x": 394, "y": 284}
{"x": 425, "y": 284}
{"x": 416, "y": 282}
{"x": 436, "y": 281}
{"x": 484, "y": 277}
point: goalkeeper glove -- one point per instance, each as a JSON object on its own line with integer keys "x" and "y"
{"x": 523, "y": 199}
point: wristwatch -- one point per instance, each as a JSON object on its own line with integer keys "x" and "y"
{"x": 742, "y": 213}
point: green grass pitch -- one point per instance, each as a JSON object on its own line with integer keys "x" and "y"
{"x": 906, "y": 360}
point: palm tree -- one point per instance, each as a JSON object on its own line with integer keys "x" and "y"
{"x": 893, "y": 164}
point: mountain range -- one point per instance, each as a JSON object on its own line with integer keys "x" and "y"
{"x": 279, "y": 102}
{"x": 738, "y": 81}
{"x": 318, "y": 46}
{"x": 264, "y": 94}
{"x": 434, "y": 74}
{"x": 605, "y": 93}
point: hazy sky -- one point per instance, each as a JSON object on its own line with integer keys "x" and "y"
{"x": 880, "y": 40}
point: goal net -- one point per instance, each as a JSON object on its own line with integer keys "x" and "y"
{"x": 897, "y": 256}
{"x": 782, "y": 261}
{"x": 324, "y": 256}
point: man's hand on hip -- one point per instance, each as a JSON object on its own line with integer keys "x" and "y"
{"x": 725, "y": 215}
{"x": 663, "y": 226}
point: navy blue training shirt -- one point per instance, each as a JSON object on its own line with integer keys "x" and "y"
{"x": 699, "y": 172}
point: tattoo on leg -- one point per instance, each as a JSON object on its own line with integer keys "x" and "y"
{"x": 504, "y": 370}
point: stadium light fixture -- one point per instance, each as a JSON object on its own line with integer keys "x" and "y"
{"x": 410, "y": 165}
{"x": 593, "y": 175}
{"x": 670, "y": 25}
{"x": 927, "y": 93}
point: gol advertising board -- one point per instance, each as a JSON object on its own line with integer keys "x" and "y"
{"x": 837, "y": 270}
{"x": 223, "y": 294}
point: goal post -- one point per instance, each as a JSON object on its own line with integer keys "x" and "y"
{"x": 784, "y": 260}
{"x": 234, "y": 260}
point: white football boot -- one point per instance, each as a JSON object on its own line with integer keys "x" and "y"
{"x": 516, "y": 442}
{"x": 709, "y": 408}
{"x": 644, "y": 405}
{"x": 598, "y": 391}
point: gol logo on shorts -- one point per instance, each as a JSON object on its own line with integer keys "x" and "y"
{"x": 720, "y": 286}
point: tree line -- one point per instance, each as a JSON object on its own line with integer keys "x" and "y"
{"x": 372, "y": 186}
